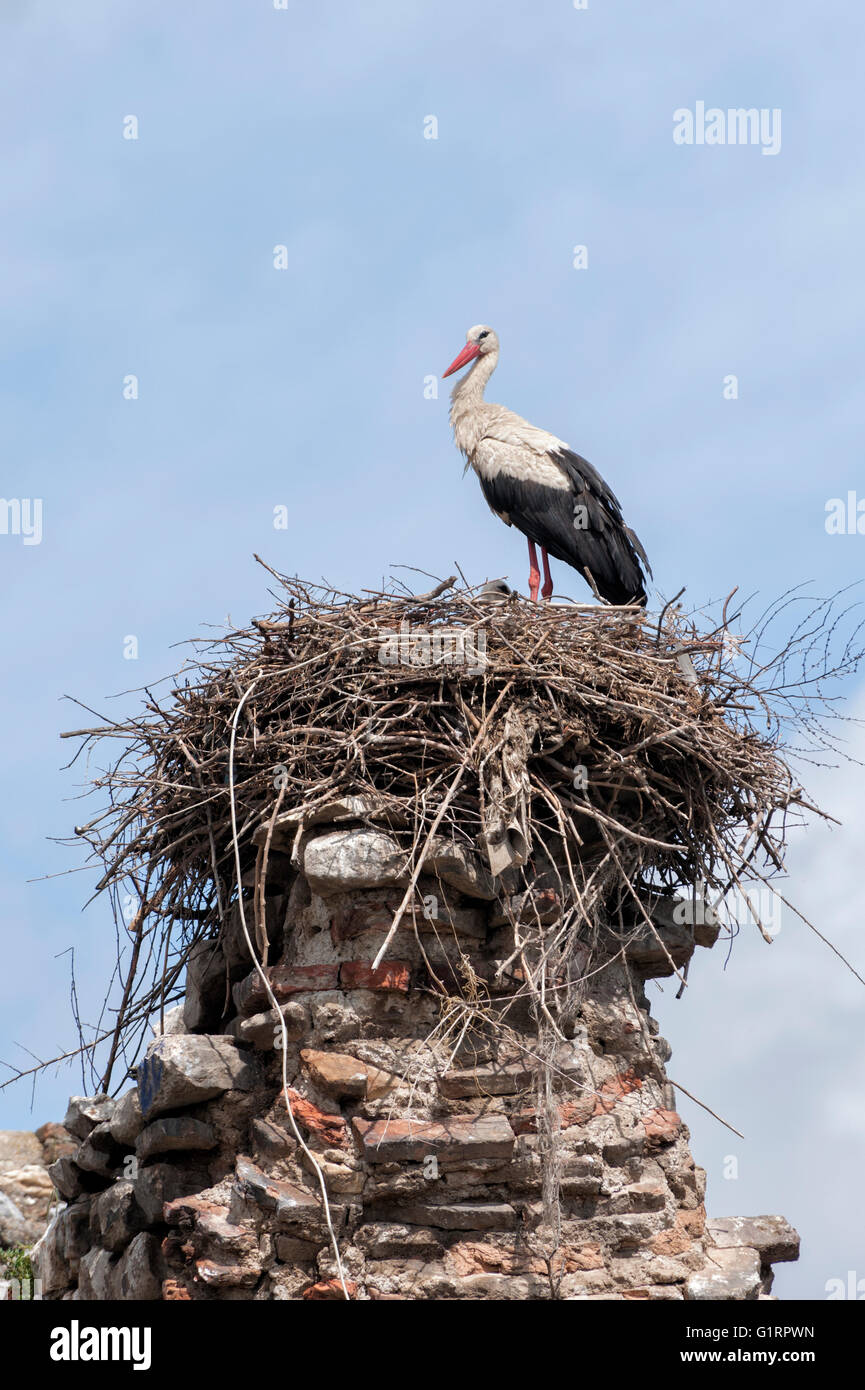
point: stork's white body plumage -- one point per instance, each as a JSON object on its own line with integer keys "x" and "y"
{"x": 533, "y": 480}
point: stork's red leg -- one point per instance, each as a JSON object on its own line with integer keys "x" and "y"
{"x": 547, "y": 590}
{"x": 534, "y": 572}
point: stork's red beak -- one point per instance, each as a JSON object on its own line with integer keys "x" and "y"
{"x": 468, "y": 354}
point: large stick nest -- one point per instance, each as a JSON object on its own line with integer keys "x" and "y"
{"x": 620, "y": 754}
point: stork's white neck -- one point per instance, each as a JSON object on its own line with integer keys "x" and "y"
{"x": 467, "y": 399}
{"x": 471, "y": 386}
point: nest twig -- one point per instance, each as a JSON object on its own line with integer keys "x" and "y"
{"x": 658, "y": 758}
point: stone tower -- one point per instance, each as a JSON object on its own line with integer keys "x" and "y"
{"x": 466, "y": 1151}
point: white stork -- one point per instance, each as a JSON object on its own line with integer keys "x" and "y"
{"x": 534, "y": 481}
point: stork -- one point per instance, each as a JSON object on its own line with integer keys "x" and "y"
{"x": 534, "y": 481}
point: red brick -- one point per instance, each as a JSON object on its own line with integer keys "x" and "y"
{"x": 330, "y": 1128}
{"x": 613, "y": 1090}
{"x": 451, "y": 1140}
{"x": 687, "y": 1227}
{"x": 571, "y": 1112}
{"x": 576, "y": 1112}
{"x": 183, "y": 1211}
{"x": 662, "y": 1126}
{"x": 331, "y": 1289}
{"x": 468, "y": 1257}
{"x": 173, "y": 1292}
{"x": 285, "y": 980}
{"x": 390, "y": 975}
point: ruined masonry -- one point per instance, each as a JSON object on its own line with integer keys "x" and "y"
{"x": 457, "y": 1165}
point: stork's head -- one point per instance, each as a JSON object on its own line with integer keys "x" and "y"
{"x": 479, "y": 340}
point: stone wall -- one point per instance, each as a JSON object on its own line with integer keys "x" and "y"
{"x": 464, "y": 1156}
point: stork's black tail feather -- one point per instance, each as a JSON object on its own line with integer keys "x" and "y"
{"x": 582, "y": 525}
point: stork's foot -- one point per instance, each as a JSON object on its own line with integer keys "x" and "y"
{"x": 547, "y": 590}
{"x": 534, "y": 573}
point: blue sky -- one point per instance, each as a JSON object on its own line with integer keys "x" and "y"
{"x": 303, "y": 387}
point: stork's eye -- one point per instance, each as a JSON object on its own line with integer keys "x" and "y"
{"x": 485, "y": 334}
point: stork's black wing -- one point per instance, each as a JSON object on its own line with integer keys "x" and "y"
{"x": 581, "y": 525}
